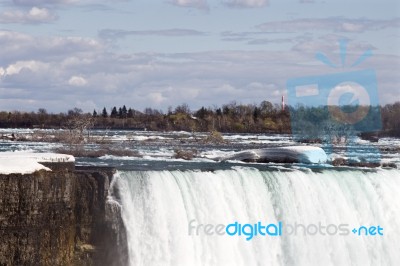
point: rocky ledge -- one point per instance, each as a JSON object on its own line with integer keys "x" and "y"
{"x": 60, "y": 216}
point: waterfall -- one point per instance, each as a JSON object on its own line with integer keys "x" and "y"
{"x": 158, "y": 206}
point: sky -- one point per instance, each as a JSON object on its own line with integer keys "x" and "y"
{"x": 90, "y": 54}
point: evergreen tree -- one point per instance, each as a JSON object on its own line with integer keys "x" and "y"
{"x": 94, "y": 113}
{"x": 256, "y": 113}
{"x": 130, "y": 113}
{"x": 201, "y": 113}
{"x": 124, "y": 111}
{"x": 114, "y": 112}
{"x": 120, "y": 115}
{"x": 104, "y": 113}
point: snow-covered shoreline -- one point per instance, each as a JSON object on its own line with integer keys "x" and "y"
{"x": 29, "y": 162}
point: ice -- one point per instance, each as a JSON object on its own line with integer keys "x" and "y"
{"x": 29, "y": 162}
{"x": 307, "y": 154}
{"x": 161, "y": 145}
{"x": 216, "y": 154}
{"x": 301, "y": 154}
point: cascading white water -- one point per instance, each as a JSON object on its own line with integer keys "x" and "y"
{"x": 157, "y": 207}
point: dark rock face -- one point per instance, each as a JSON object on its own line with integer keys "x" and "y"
{"x": 60, "y": 218}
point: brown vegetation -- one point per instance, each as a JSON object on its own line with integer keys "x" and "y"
{"x": 81, "y": 151}
{"x": 215, "y": 137}
{"x": 232, "y": 117}
{"x": 185, "y": 154}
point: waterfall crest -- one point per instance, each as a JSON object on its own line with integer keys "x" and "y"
{"x": 157, "y": 207}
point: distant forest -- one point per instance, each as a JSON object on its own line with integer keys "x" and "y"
{"x": 233, "y": 117}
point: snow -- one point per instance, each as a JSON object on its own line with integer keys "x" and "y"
{"x": 29, "y": 162}
{"x": 308, "y": 154}
{"x": 300, "y": 154}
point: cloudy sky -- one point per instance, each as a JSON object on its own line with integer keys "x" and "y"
{"x": 60, "y": 54}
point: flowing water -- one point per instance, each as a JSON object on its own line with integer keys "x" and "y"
{"x": 172, "y": 208}
{"x": 158, "y": 206}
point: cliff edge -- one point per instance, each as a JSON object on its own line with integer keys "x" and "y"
{"x": 60, "y": 216}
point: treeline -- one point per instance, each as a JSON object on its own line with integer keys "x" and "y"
{"x": 233, "y": 117}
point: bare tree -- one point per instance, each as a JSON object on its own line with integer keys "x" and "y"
{"x": 78, "y": 124}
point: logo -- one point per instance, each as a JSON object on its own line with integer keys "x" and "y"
{"x": 334, "y": 108}
{"x": 278, "y": 229}
{"x": 346, "y": 94}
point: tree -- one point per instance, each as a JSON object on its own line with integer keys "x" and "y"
{"x": 114, "y": 112}
{"x": 183, "y": 108}
{"x": 226, "y": 110}
{"x": 75, "y": 112}
{"x": 130, "y": 113}
{"x": 42, "y": 111}
{"x": 201, "y": 113}
{"x": 104, "y": 113}
{"x": 256, "y": 113}
{"x": 77, "y": 124}
{"x": 124, "y": 112}
{"x": 42, "y": 116}
{"x": 266, "y": 108}
{"x": 94, "y": 113}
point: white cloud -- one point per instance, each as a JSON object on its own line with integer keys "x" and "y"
{"x": 111, "y": 34}
{"x": 86, "y": 105}
{"x": 43, "y": 2}
{"x": 77, "y": 81}
{"x": 200, "y": 4}
{"x": 156, "y": 98}
{"x": 226, "y": 89}
{"x": 246, "y": 3}
{"x": 335, "y": 24}
{"x": 18, "y": 46}
{"x": 34, "y": 66}
{"x": 11, "y": 36}
{"x": 352, "y": 27}
{"x": 33, "y": 16}
{"x": 47, "y": 72}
